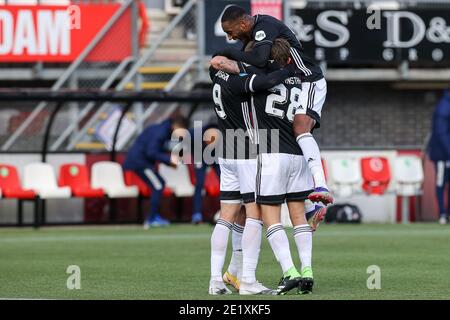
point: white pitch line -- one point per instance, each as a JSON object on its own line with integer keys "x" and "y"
{"x": 188, "y": 236}
{"x": 25, "y": 299}
{"x": 104, "y": 238}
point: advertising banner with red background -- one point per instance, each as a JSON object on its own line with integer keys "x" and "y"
{"x": 60, "y": 33}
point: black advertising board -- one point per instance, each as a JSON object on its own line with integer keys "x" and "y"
{"x": 351, "y": 37}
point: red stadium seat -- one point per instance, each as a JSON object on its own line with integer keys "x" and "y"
{"x": 76, "y": 176}
{"x": 212, "y": 184}
{"x": 11, "y": 188}
{"x": 132, "y": 179}
{"x": 10, "y": 184}
{"x": 376, "y": 175}
{"x": 192, "y": 177}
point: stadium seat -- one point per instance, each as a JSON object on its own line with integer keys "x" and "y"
{"x": 40, "y": 177}
{"x": 212, "y": 184}
{"x": 376, "y": 175}
{"x": 10, "y": 188}
{"x": 10, "y": 184}
{"x": 409, "y": 176}
{"x": 132, "y": 179}
{"x": 109, "y": 176}
{"x": 177, "y": 179}
{"x": 346, "y": 176}
{"x": 76, "y": 177}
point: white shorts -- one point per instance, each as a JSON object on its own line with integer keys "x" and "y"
{"x": 282, "y": 177}
{"x": 312, "y": 99}
{"x": 237, "y": 180}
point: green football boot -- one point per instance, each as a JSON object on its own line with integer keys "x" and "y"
{"x": 307, "y": 282}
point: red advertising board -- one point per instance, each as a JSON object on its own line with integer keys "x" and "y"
{"x": 272, "y": 8}
{"x": 60, "y": 33}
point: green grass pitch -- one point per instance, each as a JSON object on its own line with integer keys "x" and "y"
{"x": 173, "y": 262}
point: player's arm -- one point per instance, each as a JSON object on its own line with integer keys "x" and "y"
{"x": 258, "y": 57}
{"x": 225, "y": 64}
{"x": 249, "y": 83}
{"x": 155, "y": 152}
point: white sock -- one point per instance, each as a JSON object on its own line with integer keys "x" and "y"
{"x": 303, "y": 240}
{"x": 311, "y": 153}
{"x": 219, "y": 242}
{"x": 251, "y": 245}
{"x": 235, "y": 267}
{"x": 280, "y": 246}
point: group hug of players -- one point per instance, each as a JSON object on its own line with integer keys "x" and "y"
{"x": 272, "y": 91}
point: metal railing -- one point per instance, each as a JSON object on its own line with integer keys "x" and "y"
{"x": 70, "y": 71}
{"x": 62, "y": 97}
{"x": 145, "y": 57}
{"x": 112, "y": 78}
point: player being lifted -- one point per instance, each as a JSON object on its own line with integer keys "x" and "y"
{"x": 264, "y": 29}
{"x": 238, "y": 174}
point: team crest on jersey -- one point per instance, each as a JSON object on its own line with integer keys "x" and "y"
{"x": 260, "y": 35}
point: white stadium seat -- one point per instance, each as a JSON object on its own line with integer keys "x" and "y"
{"x": 346, "y": 176}
{"x": 408, "y": 175}
{"x": 108, "y": 176}
{"x": 41, "y": 178}
{"x": 177, "y": 179}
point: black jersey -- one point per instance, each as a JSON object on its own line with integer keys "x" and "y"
{"x": 235, "y": 120}
{"x": 268, "y": 28}
{"x": 275, "y": 112}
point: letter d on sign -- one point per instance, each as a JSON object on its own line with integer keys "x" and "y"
{"x": 74, "y": 280}
{"x": 374, "y": 280}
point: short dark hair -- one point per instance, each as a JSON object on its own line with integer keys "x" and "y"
{"x": 180, "y": 121}
{"x": 233, "y": 13}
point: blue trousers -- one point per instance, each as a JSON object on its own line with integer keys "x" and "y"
{"x": 443, "y": 179}
{"x": 156, "y": 183}
{"x": 200, "y": 174}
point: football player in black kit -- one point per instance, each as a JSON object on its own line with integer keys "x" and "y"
{"x": 264, "y": 29}
{"x": 283, "y": 174}
{"x": 238, "y": 172}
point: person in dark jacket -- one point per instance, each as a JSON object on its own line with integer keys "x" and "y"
{"x": 148, "y": 150}
{"x": 211, "y": 135}
{"x": 439, "y": 152}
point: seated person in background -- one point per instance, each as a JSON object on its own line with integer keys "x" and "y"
{"x": 210, "y": 136}
{"x": 439, "y": 152}
{"x": 143, "y": 156}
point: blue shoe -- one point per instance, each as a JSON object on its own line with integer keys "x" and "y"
{"x": 197, "y": 218}
{"x": 321, "y": 194}
{"x": 157, "y": 221}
